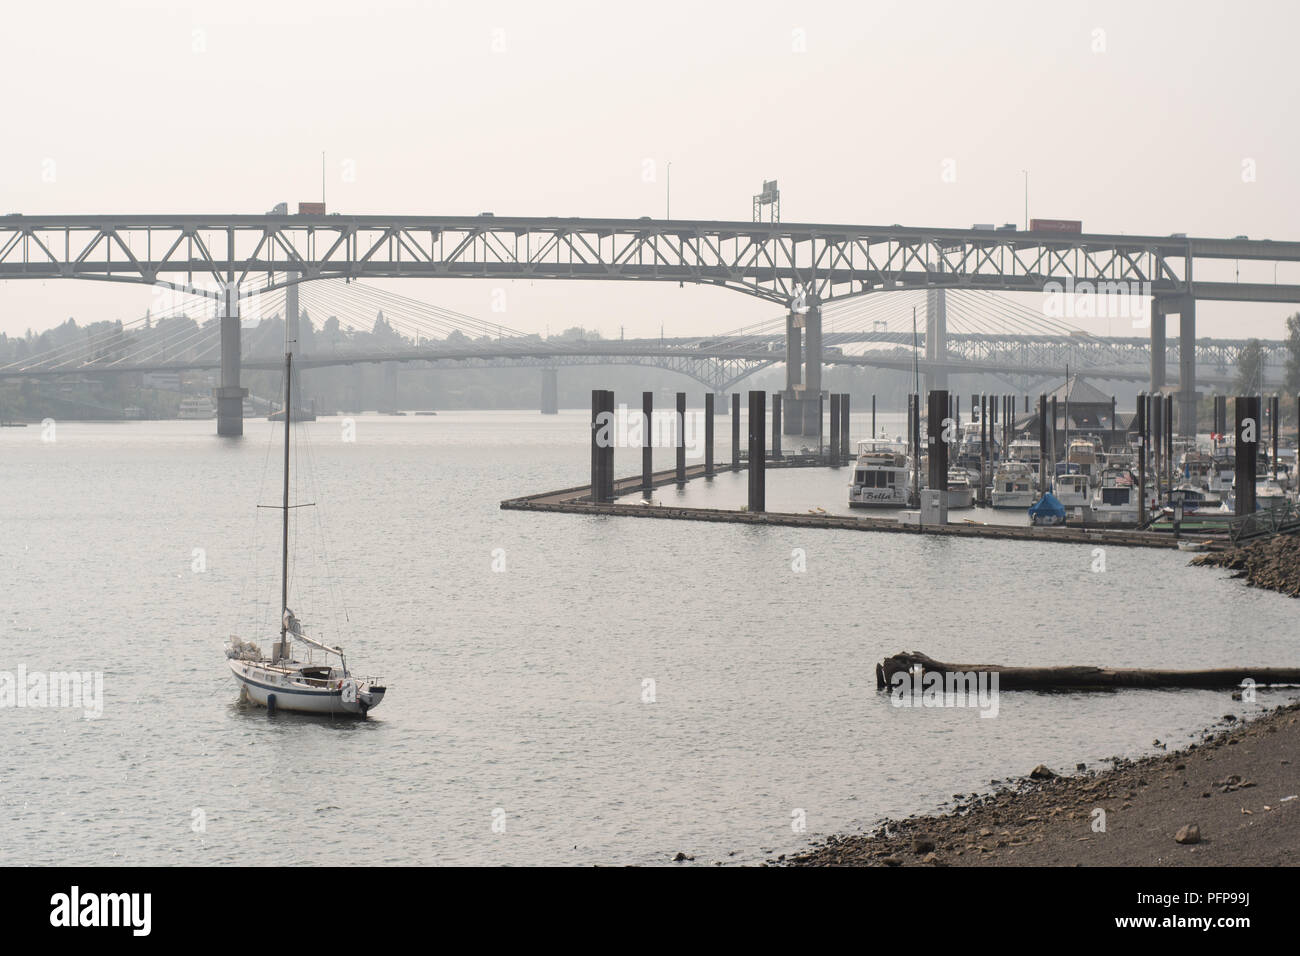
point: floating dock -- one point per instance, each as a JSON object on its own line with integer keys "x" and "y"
{"x": 577, "y": 500}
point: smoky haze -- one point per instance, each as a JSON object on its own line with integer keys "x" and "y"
{"x": 1151, "y": 118}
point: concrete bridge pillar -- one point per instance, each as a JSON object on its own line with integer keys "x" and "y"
{"x": 936, "y": 337}
{"x": 793, "y": 351}
{"x": 812, "y": 323}
{"x": 230, "y": 396}
{"x": 550, "y": 391}
{"x": 1157, "y": 344}
{"x": 1187, "y": 368}
{"x": 801, "y": 411}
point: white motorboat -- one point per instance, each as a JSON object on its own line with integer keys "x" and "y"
{"x": 1013, "y": 485}
{"x": 1115, "y": 500}
{"x": 961, "y": 489}
{"x": 300, "y": 674}
{"x": 1073, "y": 491}
{"x": 882, "y": 475}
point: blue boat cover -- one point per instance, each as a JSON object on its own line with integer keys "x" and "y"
{"x": 1048, "y": 505}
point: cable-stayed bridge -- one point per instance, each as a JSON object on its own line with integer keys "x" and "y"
{"x": 985, "y": 333}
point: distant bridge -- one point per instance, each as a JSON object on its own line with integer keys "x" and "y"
{"x": 721, "y": 362}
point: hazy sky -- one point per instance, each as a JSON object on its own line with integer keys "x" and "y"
{"x": 1134, "y": 117}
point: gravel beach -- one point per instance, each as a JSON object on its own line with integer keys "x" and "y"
{"x": 1230, "y": 799}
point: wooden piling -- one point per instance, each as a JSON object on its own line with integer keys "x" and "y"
{"x": 1042, "y": 442}
{"x": 1143, "y": 404}
{"x": 1246, "y": 408}
{"x": 708, "y": 434}
{"x": 776, "y": 425}
{"x": 602, "y": 445}
{"x": 914, "y": 400}
{"x": 735, "y": 431}
{"x": 984, "y": 450}
{"x": 647, "y": 440}
{"x": 845, "y": 449}
{"x": 1274, "y": 427}
{"x": 834, "y": 449}
{"x": 937, "y": 439}
{"x": 821, "y": 423}
{"x": 681, "y": 438}
{"x": 757, "y": 454}
{"x": 1169, "y": 445}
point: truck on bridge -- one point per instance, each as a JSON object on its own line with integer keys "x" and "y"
{"x": 1056, "y": 225}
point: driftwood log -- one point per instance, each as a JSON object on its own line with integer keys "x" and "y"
{"x": 1084, "y": 677}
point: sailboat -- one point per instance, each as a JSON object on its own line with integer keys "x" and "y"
{"x": 300, "y": 674}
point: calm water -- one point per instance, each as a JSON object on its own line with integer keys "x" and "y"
{"x": 135, "y": 549}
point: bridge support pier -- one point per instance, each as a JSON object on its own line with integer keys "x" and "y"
{"x": 1157, "y": 344}
{"x": 230, "y": 396}
{"x": 802, "y": 406}
{"x": 1187, "y": 368}
{"x": 1185, "y": 308}
{"x": 936, "y": 337}
{"x": 550, "y": 391}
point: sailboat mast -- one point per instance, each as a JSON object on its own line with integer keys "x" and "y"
{"x": 284, "y": 540}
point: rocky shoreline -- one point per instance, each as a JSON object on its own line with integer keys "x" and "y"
{"x": 1273, "y": 564}
{"x": 1230, "y": 799}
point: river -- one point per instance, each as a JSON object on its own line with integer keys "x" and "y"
{"x": 562, "y": 689}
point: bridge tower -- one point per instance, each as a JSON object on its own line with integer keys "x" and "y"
{"x": 936, "y": 337}
{"x": 230, "y": 395}
{"x": 801, "y": 400}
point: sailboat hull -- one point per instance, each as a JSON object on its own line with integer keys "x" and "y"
{"x": 258, "y": 685}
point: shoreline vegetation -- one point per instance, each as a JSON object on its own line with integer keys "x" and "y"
{"x": 1229, "y": 799}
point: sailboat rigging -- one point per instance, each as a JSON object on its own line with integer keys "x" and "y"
{"x": 283, "y": 681}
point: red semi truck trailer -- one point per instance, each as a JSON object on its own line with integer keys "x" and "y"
{"x": 1055, "y": 225}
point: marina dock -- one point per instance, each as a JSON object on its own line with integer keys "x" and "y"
{"x": 577, "y": 500}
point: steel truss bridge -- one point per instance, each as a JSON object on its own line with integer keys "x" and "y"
{"x": 801, "y": 266}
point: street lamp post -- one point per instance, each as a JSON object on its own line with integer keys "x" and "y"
{"x": 1026, "y": 172}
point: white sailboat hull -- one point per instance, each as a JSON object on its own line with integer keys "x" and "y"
{"x": 259, "y": 683}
